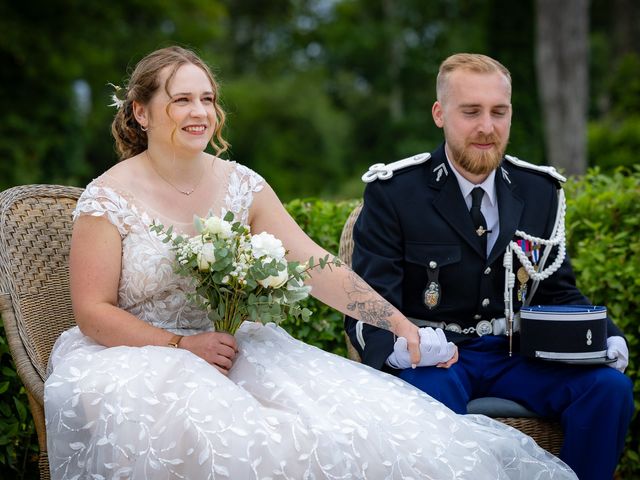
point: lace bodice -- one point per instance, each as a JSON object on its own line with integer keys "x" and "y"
{"x": 149, "y": 288}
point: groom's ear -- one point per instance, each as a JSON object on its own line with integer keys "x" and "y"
{"x": 436, "y": 113}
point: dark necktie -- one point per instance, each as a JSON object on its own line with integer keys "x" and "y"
{"x": 479, "y": 222}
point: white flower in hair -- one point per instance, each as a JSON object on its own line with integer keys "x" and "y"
{"x": 117, "y": 102}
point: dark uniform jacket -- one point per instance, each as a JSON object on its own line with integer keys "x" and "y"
{"x": 419, "y": 218}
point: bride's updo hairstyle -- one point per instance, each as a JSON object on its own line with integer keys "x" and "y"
{"x": 143, "y": 83}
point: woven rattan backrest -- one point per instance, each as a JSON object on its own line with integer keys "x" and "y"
{"x": 35, "y": 233}
{"x": 345, "y": 253}
{"x": 346, "y": 238}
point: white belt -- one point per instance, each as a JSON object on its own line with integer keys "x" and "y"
{"x": 495, "y": 326}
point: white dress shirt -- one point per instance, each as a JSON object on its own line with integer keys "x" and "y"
{"x": 489, "y": 205}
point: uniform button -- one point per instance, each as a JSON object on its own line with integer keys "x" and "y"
{"x": 477, "y": 316}
{"x": 432, "y": 264}
{"x": 485, "y": 302}
{"x": 487, "y": 271}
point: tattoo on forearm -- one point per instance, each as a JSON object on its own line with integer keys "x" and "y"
{"x": 363, "y": 300}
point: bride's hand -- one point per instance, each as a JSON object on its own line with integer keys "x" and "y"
{"x": 217, "y": 348}
{"x": 409, "y": 331}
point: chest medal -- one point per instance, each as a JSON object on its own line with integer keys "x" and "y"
{"x": 432, "y": 293}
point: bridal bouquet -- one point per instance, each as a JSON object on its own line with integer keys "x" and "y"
{"x": 239, "y": 276}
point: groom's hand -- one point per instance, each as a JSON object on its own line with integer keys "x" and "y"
{"x": 434, "y": 350}
{"x": 617, "y": 348}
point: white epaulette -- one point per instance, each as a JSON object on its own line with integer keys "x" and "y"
{"x": 380, "y": 171}
{"x": 540, "y": 168}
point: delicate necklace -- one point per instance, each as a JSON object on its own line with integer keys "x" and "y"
{"x": 183, "y": 192}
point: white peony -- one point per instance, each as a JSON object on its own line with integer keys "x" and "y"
{"x": 217, "y": 226}
{"x": 266, "y": 245}
{"x": 275, "y": 281}
{"x": 206, "y": 257}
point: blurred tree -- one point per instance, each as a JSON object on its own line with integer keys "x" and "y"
{"x": 288, "y": 130}
{"x": 562, "y": 53}
{"x": 510, "y": 30}
{"x": 614, "y": 129}
{"x": 260, "y": 36}
{"x": 383, "y": 57}
{"x": 625, "y": 26}
{"x": 367, "y": 66}
{"x": 57, "y": 58}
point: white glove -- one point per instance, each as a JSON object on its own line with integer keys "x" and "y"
{"x": 434, "y": 349}
{"x": 617, "y": 347}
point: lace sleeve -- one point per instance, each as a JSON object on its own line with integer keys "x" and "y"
{"x": 100, "y": 200}
{"x": 243, "y": 183}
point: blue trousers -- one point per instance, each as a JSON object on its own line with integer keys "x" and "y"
{"x": 593, "y": 403}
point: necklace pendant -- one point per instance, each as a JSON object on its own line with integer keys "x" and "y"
{"x": 183, "y": 192}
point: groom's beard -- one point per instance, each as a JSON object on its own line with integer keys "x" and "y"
{"x": 479, "y": 162}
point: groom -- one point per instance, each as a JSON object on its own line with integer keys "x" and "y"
{"x": 431, "y": 239}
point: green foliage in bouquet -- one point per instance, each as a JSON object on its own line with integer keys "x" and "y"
{"x": 239, "y": 276}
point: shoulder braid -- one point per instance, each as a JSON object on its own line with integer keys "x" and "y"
{"x": 551, "y": 171}
{"x": 380, "y": 171}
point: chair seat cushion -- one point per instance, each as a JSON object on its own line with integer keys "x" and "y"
{"x": 499, "y": 407}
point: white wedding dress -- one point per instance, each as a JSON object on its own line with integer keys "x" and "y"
{"x": 286, "y": 411}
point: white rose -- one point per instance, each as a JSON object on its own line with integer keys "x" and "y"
{"x": 217, "y": 226}
{"x": 275, "y": 281}
{"x": 266, "y": 245}
{"x": 206, "y": 257}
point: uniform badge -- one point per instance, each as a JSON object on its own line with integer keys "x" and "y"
{"x": 439, "y": 170}
{"x": 431, "y": 295}
{"x": 530, "y": 250}
{"x": 523, "y": 278}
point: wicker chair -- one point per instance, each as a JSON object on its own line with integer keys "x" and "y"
{"x": 546, "y": 433}
{"x": 35, "y": 303}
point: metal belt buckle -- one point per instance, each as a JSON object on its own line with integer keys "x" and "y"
{"x": 453, "y": 327}
{"x": 484, "y": 327}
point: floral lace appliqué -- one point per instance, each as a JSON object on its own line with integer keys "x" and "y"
{"x": 243, "y": 183}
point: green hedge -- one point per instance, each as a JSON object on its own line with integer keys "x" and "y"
{"x": 323, "y": 222}
{"x": 603, "y": 229}
{"x": 18, "y": 442}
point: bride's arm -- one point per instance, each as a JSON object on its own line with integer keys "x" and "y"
{"x": 95, "y": 266}
{"x": 338, "y": 287}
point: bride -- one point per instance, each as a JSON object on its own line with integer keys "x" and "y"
{"x": 144, "y": 388}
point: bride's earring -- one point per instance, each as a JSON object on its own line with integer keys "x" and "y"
{"x": 143, "y": 128}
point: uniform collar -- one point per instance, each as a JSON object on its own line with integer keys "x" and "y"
{"x": 451, "y": 205}
{"x": 489, "y": 184}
